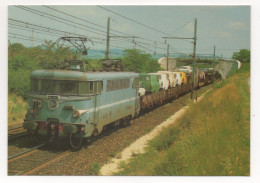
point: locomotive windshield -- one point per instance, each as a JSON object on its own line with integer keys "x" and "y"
{"x": 65, "y": 87}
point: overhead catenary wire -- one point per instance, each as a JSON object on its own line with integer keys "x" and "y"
{"x": 64, "y": 21}
{"x": 53, "y": 32}
{"x": 59, "y": 32}
{"x": 39, "y": 32}
{"x": 93, "y": 23}
{"x": 84, "y": 20}
{"x": 182, "y": 26}
{"x": 26, "y": 24}
{"x": 134, "y": 21}
{"x": 24, "y": 37}
{"x": 138, "y": 23}
{"x": 34, "y": 26}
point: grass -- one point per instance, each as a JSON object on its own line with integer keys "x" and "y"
{"x": 166, "y": 117}
{"x": 16, "y": 109}
{"x": 112, "y": 154}
{"x": 212, "y": 138}
{"x": 127, "y": 142}
{"x": 147, "y": 130}
{"x": 94, "y": 168}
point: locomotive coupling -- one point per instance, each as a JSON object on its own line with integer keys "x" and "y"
{"x": 30, "y": 125}
{"x": 68, "y": 128}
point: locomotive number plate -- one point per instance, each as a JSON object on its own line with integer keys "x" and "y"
{"x": 53, "y": 97}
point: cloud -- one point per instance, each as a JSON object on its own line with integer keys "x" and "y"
{"x": 223, "y": 34}
{"x": 236, "y": 25}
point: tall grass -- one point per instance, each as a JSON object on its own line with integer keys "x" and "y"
{"x": 213, "y": 138}
{"x": 16, "y": 108}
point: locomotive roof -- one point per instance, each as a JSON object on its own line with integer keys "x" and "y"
{"x": 80, "y": 76}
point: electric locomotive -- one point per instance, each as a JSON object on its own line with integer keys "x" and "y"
{"x": 73, "y": 103}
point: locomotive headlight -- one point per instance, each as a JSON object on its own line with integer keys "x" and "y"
{"x": 78, "y": 113}
{"x": 75, "y": 114}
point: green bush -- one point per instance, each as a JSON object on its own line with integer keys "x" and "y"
{"x": 19, "y": 68}
{"x": 138, "y": 61}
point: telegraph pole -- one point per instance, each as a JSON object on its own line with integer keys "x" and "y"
{"x": 194, "y": 38}
{"x": 108, "y": 37}
{"x": 194, "y": 57}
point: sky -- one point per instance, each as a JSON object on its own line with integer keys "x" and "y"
{"x": 226, "y": 27}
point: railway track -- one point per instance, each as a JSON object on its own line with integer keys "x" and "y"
{"x": 33, "y": 159}
{"x": 16, "y": 132}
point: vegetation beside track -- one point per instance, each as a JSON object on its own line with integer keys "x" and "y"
{"x": 212, "y": 138}
{"x": 16, "y": 108}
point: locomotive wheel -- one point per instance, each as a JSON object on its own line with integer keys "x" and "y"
{"x": 75, "y": 141}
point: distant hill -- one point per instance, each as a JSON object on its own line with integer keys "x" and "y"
{"x": 113, "y": 53}
{"x": 99, "y": 54}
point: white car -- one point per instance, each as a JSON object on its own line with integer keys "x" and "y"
{"x": 164, "y": 80}
{"x": 174, "y": 78}
{"x": 177, "y": 78}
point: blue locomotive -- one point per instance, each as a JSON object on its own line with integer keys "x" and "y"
{"x": 67, "y": 102}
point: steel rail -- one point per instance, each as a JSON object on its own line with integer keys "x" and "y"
{"x": 17, "y": 136}
{"x": 43, "y": 164}
{"x": 24, "y": 152}
{"x": 15, "y": 129}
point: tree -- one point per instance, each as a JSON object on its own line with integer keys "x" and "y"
{"x": 138, "y": 61}
{"x": 22, "y": 60}
{"x": 243, "y": 55}
{"x": 152, "y": 66}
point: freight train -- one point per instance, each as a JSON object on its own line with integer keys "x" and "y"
{"x": 75, "y": 104}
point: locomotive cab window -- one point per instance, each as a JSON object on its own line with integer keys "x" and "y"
{"x": 35, "y": 85}
{"x": 47, "y": 86}
{"x": 117, "y": 84}
{"x": 66, "y": 87}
